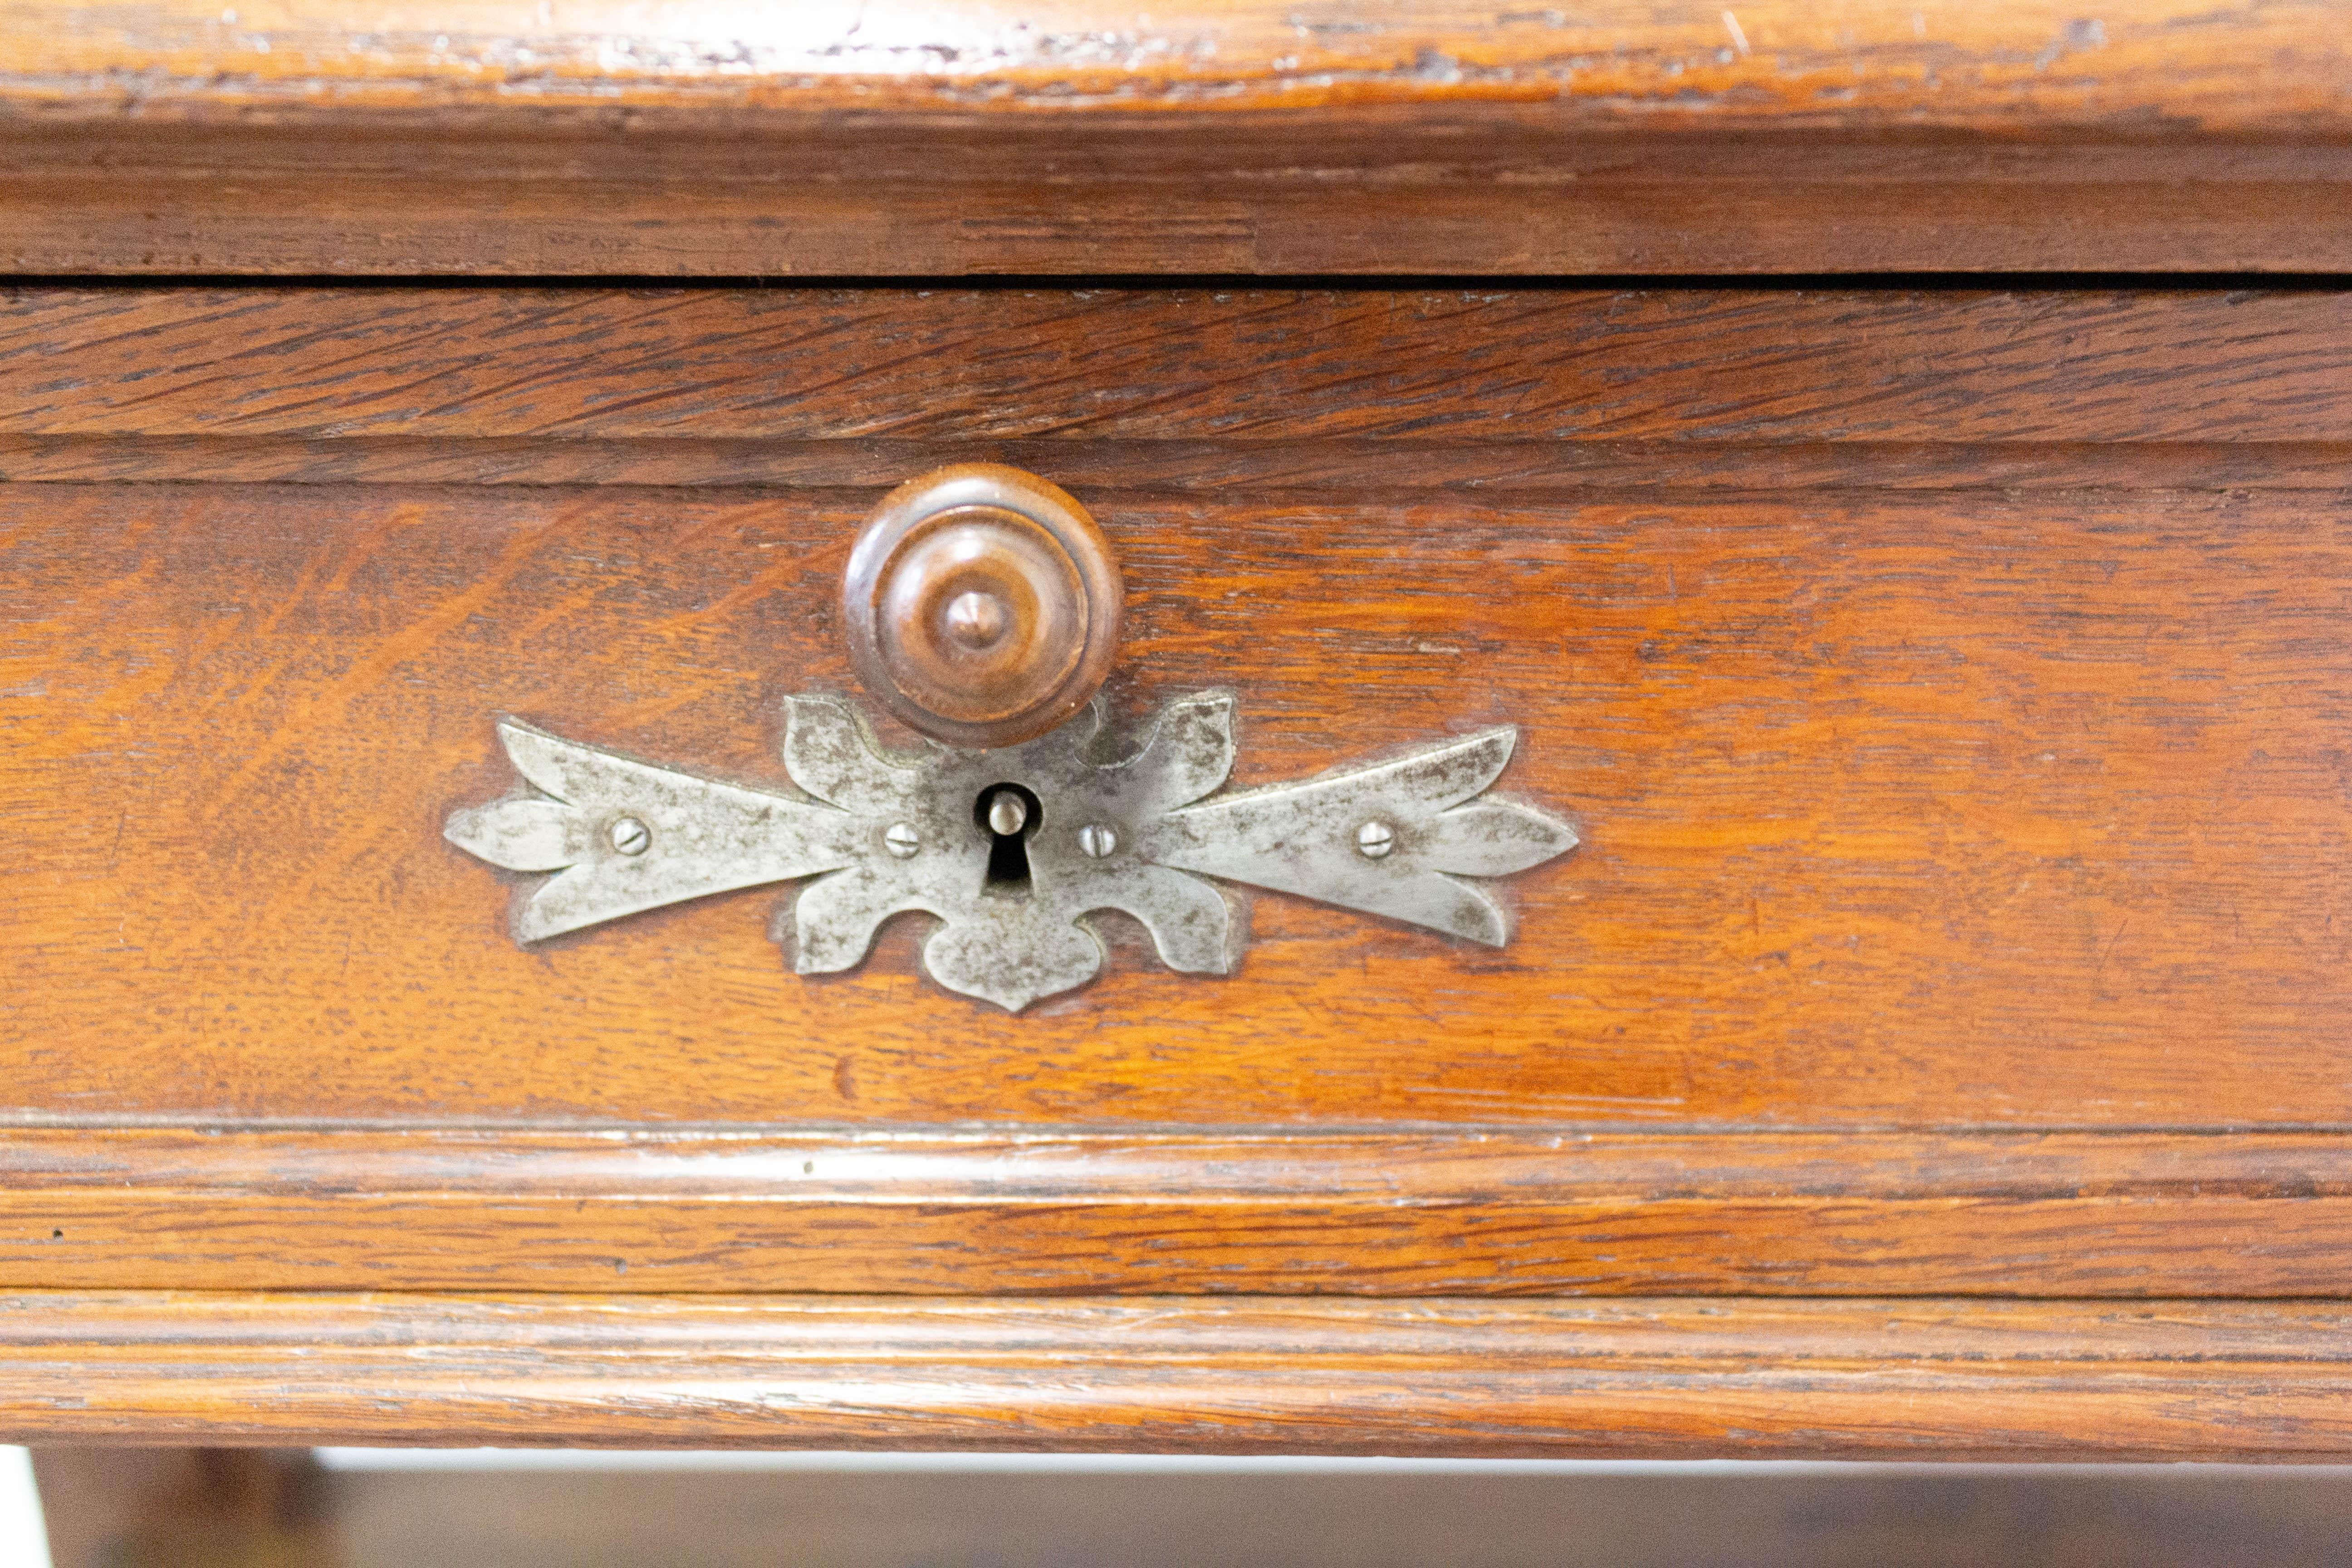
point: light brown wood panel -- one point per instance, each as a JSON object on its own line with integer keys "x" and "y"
{"x": 1769, "y": 62}
{"x": 1731, "y": 377}
{"x": 1949, "y": 705}
{"x": 1655, "y": 1377}
{"x": 473, "y": 137}
{"x": 1928, "y": 808}
{"x": 1040, "y": 1212}
{"x": 1479, "y": 195}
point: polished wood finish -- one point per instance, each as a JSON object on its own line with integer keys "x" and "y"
{"x": 1662, "y": 1377}
{"x": 986, "y": 1213}
{"x": 1197, "y": 388}
{"x": 1913, "y": 794}
{"x": 474, "y": 138}
{"x": 982, "y": 605}
{"x": 1774, "y": 61}
{"x": 1947, "y": 687}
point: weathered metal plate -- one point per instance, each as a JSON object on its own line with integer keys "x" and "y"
{"x": 1012, "y": 849}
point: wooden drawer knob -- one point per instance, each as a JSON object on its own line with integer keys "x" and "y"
{"x": 982, "y": 605}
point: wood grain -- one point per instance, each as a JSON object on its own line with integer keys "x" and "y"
{"x": 2026, "y": 765}
{"x": 1396, "y": 466}
{"x": 242, "y": 718}
{"x": 1734, "y": 375}
{"x": 1655, "y": 1377}
{"x": 491, "y": 1208}
{"x": 1949, "y": 689}
{"x": 1934, "y": 803}
{"x": 1772, "y": 61}
{"x": 1409, "y": 193}
{"x": 472, "y": 137}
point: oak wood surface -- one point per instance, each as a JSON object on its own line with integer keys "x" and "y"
{"x": 1994, "y": 63}
{"x": 1723, "y": 376}
{"x": 471, "y": 138}
{"x": 1948, "y": 688}
{"x": 1657, "y": 1377}
{"x": 1911, "y": 795}
{"x": 2043, "y": 1215}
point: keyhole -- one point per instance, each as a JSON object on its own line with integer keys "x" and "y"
{"x": 1008, "y": 814}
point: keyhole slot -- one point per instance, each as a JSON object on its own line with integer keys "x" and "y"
{"x": 1008, "y": 853}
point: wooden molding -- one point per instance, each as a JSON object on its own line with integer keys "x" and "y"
{"x": 1656, "y": 1377}
{"x": 1349, "y": 391}
{"x": 1513, "y": 1212}
{"x": 454, "y": 137}
{"x": 1993, "y": 65}
{"x": 1526, "y": 470}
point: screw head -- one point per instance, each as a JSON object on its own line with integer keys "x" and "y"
{"x": 629, "y": 837}
{"x": 901, "y": 839}
{"x": 1375, "y": 839}
{"x": 1099, "y": 840}
{"x": 1007, "y": 814}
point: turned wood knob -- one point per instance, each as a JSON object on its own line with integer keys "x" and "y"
{"x": 982, "y": 605}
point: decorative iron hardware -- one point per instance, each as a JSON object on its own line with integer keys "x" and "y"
{"x": 1011, "y": 849}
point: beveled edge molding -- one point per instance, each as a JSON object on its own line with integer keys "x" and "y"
{"x": 1338, "y": 470}
{"x": 689, "y": 193}
{"x": 1655, "y": 1377}
{"x": 2165, "y": 67}
{"x": 997, "y": 1212}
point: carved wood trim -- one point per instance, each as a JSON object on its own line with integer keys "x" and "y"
{"x": 439, "y": 138}
{"x": 1000, "y": 1212}
{"x": 1657, "y": 1377}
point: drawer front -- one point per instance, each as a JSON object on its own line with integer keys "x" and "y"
{"x": 1947, "y": 689}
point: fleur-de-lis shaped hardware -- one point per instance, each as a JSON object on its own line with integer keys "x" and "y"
{"x": 1011, "y": 849}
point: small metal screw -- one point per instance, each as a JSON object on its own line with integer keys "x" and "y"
{"x": 1006, "y": 814}
{"x": 901, "y": 839}
{"x": 1375, "y": 839}
{"x": 629, "y": 836}
{"x": 1098, "y": 839}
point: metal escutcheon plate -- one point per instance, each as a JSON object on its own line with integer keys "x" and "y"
{"x": 1012, "y": 849}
